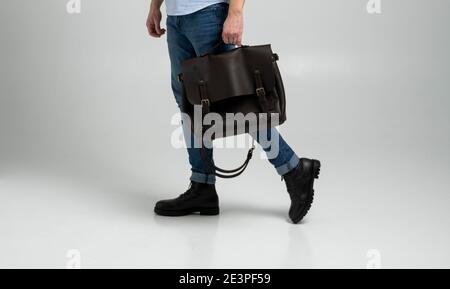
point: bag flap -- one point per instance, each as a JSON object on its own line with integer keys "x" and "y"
{"x": 229, "y": 74}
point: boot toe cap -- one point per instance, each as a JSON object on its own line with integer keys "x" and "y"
{"x": 164, "y": 205}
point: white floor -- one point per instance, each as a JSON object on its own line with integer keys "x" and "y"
{"x": 360, "y": 218}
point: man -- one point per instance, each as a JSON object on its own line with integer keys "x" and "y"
{"x": 195, "y": 27}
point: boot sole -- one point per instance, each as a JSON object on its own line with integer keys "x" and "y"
{"x": 315, "y": 174}
{"x": 180, "y": 213}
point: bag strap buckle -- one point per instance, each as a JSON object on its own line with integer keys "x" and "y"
{"x": 205, "y": 102}
{"x": 260, "y": 92}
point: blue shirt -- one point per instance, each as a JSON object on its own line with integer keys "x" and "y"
{"x": 184, "y": 7}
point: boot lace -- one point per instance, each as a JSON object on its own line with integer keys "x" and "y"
{"x": 187, "y": 193}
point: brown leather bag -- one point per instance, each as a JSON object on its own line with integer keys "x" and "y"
{"x": 244, "y": 80}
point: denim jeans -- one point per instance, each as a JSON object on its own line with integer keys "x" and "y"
{"x": 196, "y": 34}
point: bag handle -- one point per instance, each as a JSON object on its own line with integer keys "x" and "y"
{"x": 222, "y": 173}
{"x": 216, "y": 46}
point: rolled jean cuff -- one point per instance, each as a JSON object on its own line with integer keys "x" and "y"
{"x": 289, "y": 166}
{"x": 203, "y": 178}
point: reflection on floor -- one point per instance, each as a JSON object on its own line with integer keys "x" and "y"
{"x": 41, "y": 219}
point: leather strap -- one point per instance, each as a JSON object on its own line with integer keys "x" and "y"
{"x": 204, "y": 98}
{"x": 217, "y": 45}
{"x": 261, "y": 92}
{"x": 222, "y": 173}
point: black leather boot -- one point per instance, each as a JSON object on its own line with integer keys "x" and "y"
{"x": 199, "y": 198}
{"x": 300, "y": 186}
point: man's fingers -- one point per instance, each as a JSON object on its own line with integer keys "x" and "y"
{"x": 152, "y": 30}
{"x": 158, "y": 27}
{"x": 228, "y": 38}
{"x": 155, "y": 30}
{"x": 236, "y": 40}
{"x": 239, "y": 40}
{"x": 154, "y": 33}
{"x": 225, "y": 38}
{"x": 232, "y": 38}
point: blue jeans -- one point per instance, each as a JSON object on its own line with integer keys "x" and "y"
{"x": 196, "y": 34}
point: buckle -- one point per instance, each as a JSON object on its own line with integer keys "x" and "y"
{"x": 261, "y": 92}
{"x": 205, "y": 102}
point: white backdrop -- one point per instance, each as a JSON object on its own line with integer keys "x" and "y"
{"x": 85, "y": 109}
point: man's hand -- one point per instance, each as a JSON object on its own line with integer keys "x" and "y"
{"x": 154, "y": 20}
{"x": 233, "y": 27}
